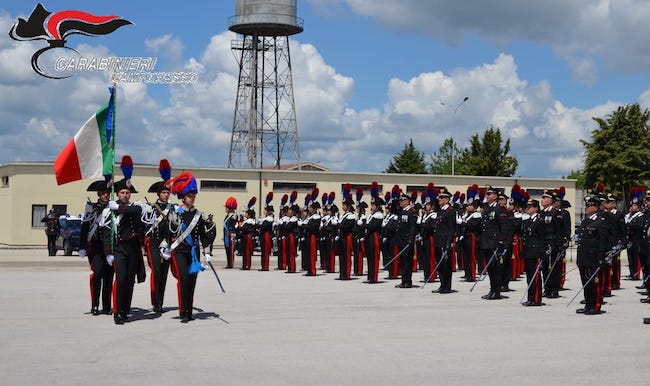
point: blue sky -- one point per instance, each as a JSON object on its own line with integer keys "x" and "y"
{"x": 368, "y": 76}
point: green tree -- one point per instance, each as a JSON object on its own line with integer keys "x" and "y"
{"x": 579, "y": 176}
{"x": 487, "y": 156}
{"x": 618, "y": 154}
{"x": 441, "y": 160}
{"x": 408, "y": 161}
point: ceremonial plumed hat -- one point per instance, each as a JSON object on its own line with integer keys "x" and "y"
{"x": 183, "y": 184}
{"x": 378, "y": 201}
{"x": 98, "y": 186}
{"x": 532, "y": 202}
{"x": 124, "y": 184}
{"x": 165, "y": 171}
{"x": 348, "y": 200}
{"x": 126, "y": 165}
{"x": 444, "y": 193}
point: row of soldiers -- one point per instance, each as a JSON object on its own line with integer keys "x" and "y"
{"x": 480, "y": 232}
{"x": 117, "y": 234}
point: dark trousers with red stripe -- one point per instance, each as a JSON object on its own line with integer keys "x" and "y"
{"x": 472, "y": 252}
{"x": 126, "y": 267}
{"x": 159, "y": 269}
{"x": 534, "y": 289}
{"x": 345, "y": 256}
{"x": 593, "y": 289}
{"x": 266, "y": 248}
{"x": 373, "y": 252}
{"x": 428, "y": 259}
{"x": 309, "y": 254}
{"x": 101, "y": 278}
{"x": 247, "y": 256}
{"x": 359, "y": 254}
{"x": 290, "y": 249}
{"x": 606, "y": 279}
{"x": 182, "y": 259}
{"x": 616, "y": 272}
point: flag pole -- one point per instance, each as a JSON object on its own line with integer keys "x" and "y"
{"x": 112, "y": 146}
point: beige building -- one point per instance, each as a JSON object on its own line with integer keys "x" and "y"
{"x": 29, "y": 190}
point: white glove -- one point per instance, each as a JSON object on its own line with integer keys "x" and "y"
{"x": 110, "y": 259}
{"x": 82, "y": 253}
{"x": 359, "y": 222}
{"x": 165, "y": 252}
{"x": 112, "y": 205}
{"x": 207, "y": 257}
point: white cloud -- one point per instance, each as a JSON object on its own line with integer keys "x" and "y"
{"x": 577, "y": 30}
{"x": 192, "y": 124}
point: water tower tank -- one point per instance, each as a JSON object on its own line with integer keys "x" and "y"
{"x": 265, "y": 18}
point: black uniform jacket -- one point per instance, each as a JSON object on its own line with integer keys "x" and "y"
{"x": 594, "y": 238}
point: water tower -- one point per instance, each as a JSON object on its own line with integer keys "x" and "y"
{"x": 265, "y": 111}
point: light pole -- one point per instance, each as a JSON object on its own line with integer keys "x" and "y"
{"x": 453, "y": 145}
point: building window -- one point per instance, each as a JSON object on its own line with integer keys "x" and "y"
{"x": 60, "y": 210}
{"x": 365, "y": 187}
{"x": 421, "y": 188}
{"x": 5, "y": 181}
{"x": 291, "y": 186}
{"x": 223, "y": 185}
{"x": 536, "y": 192}
{"x": 38, "y": 213}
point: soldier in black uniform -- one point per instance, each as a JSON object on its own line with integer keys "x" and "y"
{"x": 405, "y": 237}
{"x": 593, "y": 244}
{"x": 617, "y": 233}
{"x": 289, "y": 236}
{"x": 191, "y": 235}
{"x": 51, "y": 231}
{"x": 554, "y": 243}
{"x": 158, "y": 237}
{"x": 509, "y": 229}
{"x": 248, "y": 230}
{"x": 471, "y": 230}
{"x": 373, "y": 238}
{"x": 492, "y": 241}
{"x": 347, "y": 223}
{"x": 229, "y": 222}
{"x": 445, "y": 230}
{"x": 266, "y": 233}
{"x": 428, "y": 228}
{"x": 311, "y": 227}
{"x": 91, "y": 244}
{"x": 358, "y": 237}
{"x": 532, "y": 233}
{"x": 389, "y": 248}
{"x": 634, "y": 222}
{"x": 125, "y": 253}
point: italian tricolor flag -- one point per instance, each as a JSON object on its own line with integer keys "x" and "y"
{"x": 91, "y": 153}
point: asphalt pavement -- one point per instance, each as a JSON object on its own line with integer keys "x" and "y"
{"x": 276, "y": 328}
